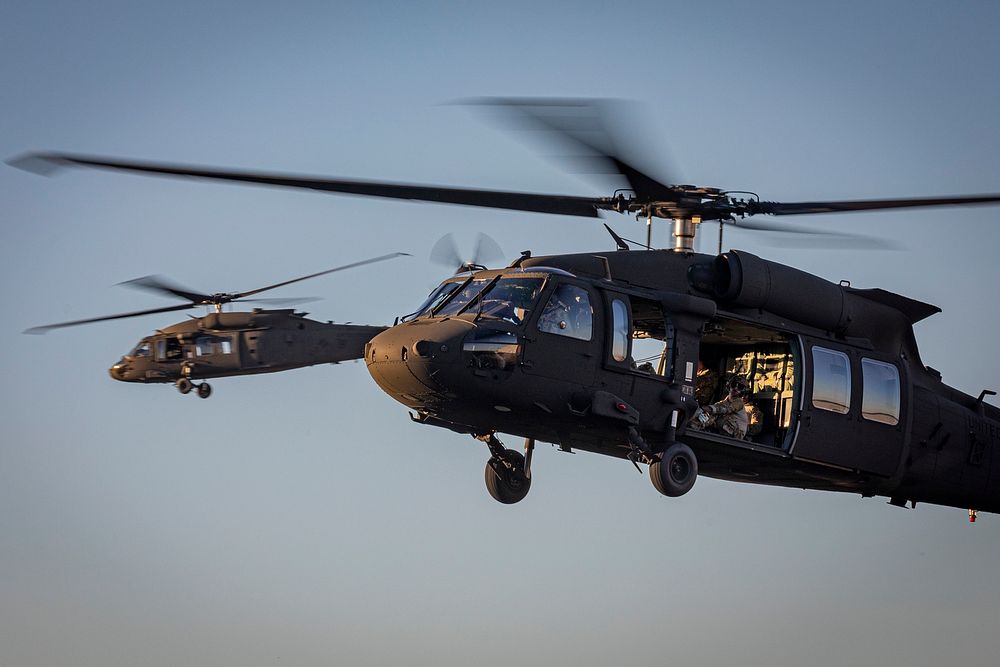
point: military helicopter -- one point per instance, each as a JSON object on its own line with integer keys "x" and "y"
{"x": 605, "y": 351}
{"x": 223, "y": 344}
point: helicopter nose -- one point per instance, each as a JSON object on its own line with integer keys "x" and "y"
{"x": 118, "y": 370}
{"x": 414, "y": 362}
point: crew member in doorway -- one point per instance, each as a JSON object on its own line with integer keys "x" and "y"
{"x": 728, "y": 416}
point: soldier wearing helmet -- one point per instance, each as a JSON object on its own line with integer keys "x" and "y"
{"x": 728, "y": 416}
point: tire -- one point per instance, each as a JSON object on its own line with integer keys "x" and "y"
{"x": 184, "y": 386}
{"x": 507, "y": 486}
{"x": 675, "y": 473}
{"x": 204, "y": 390}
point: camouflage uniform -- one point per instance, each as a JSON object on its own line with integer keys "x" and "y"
{"x": 727, "y": 417}
{"x": 704, "y": 386}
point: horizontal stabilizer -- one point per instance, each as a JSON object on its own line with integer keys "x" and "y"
{"x": 913, "y": 310}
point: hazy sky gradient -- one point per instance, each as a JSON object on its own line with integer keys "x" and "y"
{"x": 301, "y": 518}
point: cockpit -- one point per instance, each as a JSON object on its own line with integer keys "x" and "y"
{"x": 502, "y": 304}
{"x": 512, "y": 298}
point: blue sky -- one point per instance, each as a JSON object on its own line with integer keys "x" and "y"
{"x": 301, "y": 518}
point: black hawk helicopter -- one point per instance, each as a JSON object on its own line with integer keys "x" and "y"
{"x": 224, "y": 344}
{"x": 636, "y": 354}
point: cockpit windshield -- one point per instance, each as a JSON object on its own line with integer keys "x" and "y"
{"x": 143, "y": 349}
{"x": 435, "y": 299}
{"x": 463, "y": 296}
{"x": 510, "y": 298}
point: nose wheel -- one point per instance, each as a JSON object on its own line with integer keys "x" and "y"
{"x": 508, "y": 472}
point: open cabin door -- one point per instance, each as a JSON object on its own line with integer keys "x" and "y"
{"x": 768, "y": 361}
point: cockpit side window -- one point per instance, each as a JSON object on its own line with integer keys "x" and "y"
{"x": 143, "y": 349}
{"x": 568, "y": 313}
{"x": 619, "y": 330}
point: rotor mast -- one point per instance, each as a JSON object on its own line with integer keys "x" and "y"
{"x": 685, "y": 206}
{"x": 684, "y": 232}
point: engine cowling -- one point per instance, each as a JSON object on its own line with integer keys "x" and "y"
{"x": 746, "y": 280}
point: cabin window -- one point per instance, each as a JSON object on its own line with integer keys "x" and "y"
{"x": 880, "y": 392}
{"x": 568, "y": 313}
{"x": 203, "y": 346}
{"x": 168, "y": 349}
{"x": 226, "y": 346}
{"x": 831, "y": 380}
{"x": 619, "y": 330}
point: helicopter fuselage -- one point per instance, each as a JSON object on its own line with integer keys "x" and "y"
{"x": 240, "y": 343}
{"x": 600, "y": 352}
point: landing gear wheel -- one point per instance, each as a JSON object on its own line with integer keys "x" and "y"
{"x": 204, "y": 390}
{"x": 184, "y": 385}
{"x": 675, "y": 473}
{"x": 507, "y": 485}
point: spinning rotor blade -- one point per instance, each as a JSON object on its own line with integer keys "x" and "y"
{"x": 45, "y": 163}
{"x": 806, "y": 208}
{"x": 137, "y": 313}
{"x": 320, "y": 273}
{"x": 160, "y": 285}
{"x": 583, "y": 127}
{"x": 487, "y": 250}
{"x": 809, "y": 238}
{"x": 445, "y": 252}
{"x": 294, "y": 301}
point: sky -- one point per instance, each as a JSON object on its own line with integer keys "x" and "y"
{"x": 301, "y": 518}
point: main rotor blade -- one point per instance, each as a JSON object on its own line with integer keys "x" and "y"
{"x": 160, "y": 285}
{"x": 585, "y": 127}
{"x": 381, "y": 258}
{"x": 278, "y": 301}
{"x": 810, "y": 237}
{"x": 804, "y": 208}
{"x": 519, "y": 201}
{"x": 137, "y": 313}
